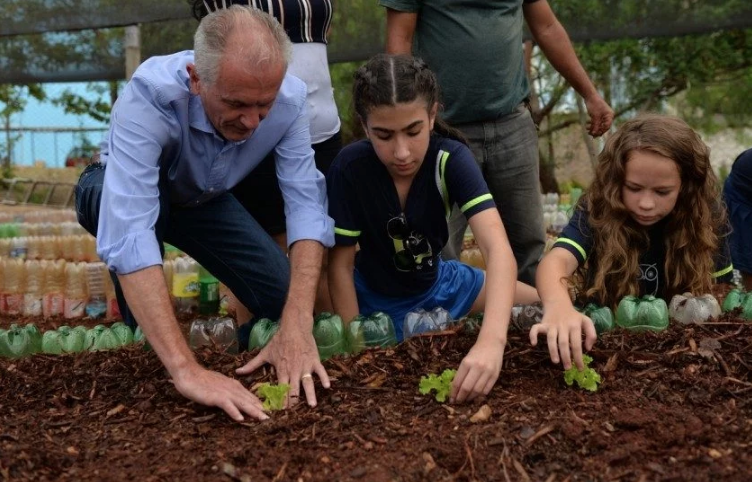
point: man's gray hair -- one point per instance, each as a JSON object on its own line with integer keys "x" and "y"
{"x": 270, "y": 44}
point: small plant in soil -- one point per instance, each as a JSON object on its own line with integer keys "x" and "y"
{"x": 273, "y": 395}
{"x": 442, "y": 384}
{"x": 586, "y": 378}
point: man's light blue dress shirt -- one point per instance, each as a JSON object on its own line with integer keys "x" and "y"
{"x": 157, "y": 123}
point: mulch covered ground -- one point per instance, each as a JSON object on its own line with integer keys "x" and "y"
{"x": 675, "y": 405}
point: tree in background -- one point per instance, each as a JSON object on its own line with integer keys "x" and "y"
{"x": 711, "y": 71}
{"x": 13, "y": 99}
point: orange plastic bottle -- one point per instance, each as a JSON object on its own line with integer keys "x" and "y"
{"x": 32, "y": 305}
{"x": 13, "y": 293}
{"x": 75, "y": 290}
{"x": 54, "y": 287}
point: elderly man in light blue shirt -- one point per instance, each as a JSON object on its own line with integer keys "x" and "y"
{"x": 187, "y": 128}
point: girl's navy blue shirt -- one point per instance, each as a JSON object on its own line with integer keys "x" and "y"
{"x": 400, "y": 251}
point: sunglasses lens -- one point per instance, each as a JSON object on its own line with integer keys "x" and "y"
{"x": 396, "y": 228}
{"x": 404, "y": 261}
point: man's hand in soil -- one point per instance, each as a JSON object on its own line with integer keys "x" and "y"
{"x": 478, "y": 371}
{"x": 214, "y": 389}
{"x": 153, "y": 309}
{"x": 293, "y": 350}
{"x": 295, "y": 357}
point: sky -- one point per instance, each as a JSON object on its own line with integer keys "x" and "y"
{"x": 50, "y": 147}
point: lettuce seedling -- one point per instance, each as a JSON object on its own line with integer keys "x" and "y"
{"x": 273, "y": 395}
{"x": 442, "y": 384}
{"x": 586, "y": 378}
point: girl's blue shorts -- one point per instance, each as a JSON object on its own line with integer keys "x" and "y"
{"x": 456, "y": 289}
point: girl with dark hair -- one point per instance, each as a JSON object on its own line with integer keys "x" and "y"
{"x": 392, "y": 195}
{"x": 651, "y": 223}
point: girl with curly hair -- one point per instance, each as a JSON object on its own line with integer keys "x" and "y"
{"x": 651, "y": 223}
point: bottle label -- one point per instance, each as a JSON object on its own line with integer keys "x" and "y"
{"x": 209, "y": 292}
{"x": 18, "y": 252}
{"x": 52, "y": 304}
{"x": 13, "y": 303}
{"x": 32, "y": 305}
{"x": 96, "y": 308}
{"x": 113, "y": 309}
{"x": 185, "y": 285}
{"x": 74, "y": 308}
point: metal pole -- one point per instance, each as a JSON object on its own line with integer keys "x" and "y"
{"x": 132, "y": 49}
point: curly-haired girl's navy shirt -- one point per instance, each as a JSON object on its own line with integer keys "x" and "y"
{"x": 577, "y": 238}
{"x": 365, "y": 206}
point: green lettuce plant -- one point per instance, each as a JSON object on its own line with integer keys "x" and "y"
{"x": 441, "y": 384}
{"x": 586, "y": 378}
{"x": 273, "y": 395}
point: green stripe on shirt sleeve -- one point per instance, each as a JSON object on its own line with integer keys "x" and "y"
{"x": 475, "y": 202}
{"x": 724, "y": 271}
{"x": 572, "y": 243}
{"x": 346, "y": 232}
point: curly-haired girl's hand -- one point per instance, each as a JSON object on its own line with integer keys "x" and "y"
{"x": 563, "y": 328}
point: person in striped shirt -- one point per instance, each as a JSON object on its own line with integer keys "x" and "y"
{"x": 651, "y": 223}
{"x": 392, "y": 194}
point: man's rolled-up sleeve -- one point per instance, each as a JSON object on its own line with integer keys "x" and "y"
{"x": 140, "y": 127}
{"x": 303, "y": 186}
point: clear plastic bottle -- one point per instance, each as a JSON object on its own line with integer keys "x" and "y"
{"x": 4, "y": 247}
{"x": 13, "y": 293}
{"x": 53, "y": 299}
{"x": 90, "y": 248}
{"x": 185, "y": 287}
{"x": 66, "y": 248}
{"x": 19, "y": 248}
{"x": 78, "y": 248}
{"x": 34, "y": 288}
{"x": 96, "y": 305}
{"x": 47, "y": 248}
{"x": 75, "y": 290}
{"x": 560, "y": 221}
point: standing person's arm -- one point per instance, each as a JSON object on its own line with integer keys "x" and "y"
{"x": 341, "y": 284}
{"x": 129, "y": 210}
{"x": 400, "y": 27}
{"x": 554, "y": 41}
{"x": 293, "y": 350}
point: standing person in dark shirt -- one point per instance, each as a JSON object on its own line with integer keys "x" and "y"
{"x": 737, "y": 192}
{"x": 650, "y": 223}
{"x": 392, "y": 194}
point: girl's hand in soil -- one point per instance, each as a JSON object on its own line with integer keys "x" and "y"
{"x": 563, "y": 327}
{"x": 478, "y": 371}
{"x": 294, "y": 355}
{"x": 214, "y": 389}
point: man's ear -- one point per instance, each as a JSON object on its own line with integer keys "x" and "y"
{"x": 194, "y": 80}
